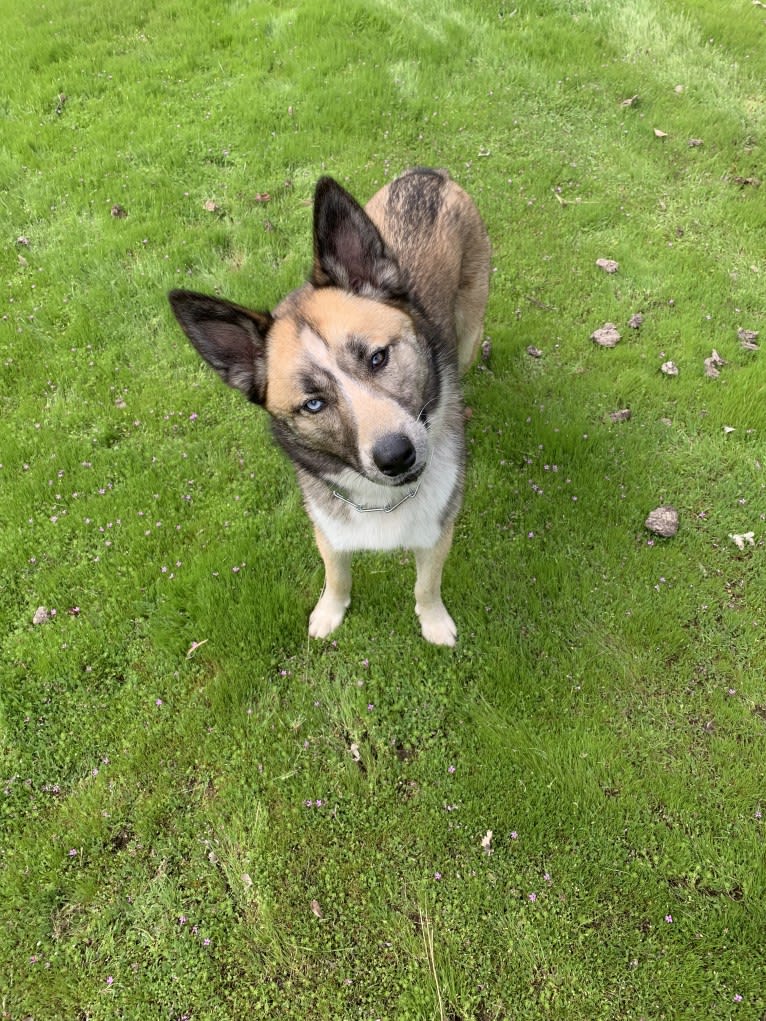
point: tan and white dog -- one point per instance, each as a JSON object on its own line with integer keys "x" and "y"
{"x": 359, "y": 369}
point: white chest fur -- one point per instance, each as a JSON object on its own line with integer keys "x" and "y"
{"x": 416, "y": 523}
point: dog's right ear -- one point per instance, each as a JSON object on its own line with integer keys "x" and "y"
{"x": 230, "y": 338}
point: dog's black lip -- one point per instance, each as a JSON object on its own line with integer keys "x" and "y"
{"x": 411, "y": 476}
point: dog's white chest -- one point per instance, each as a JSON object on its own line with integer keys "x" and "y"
{"x": 416, "y": 522}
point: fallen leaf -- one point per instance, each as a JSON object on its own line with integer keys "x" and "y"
{"x": 193, "y": 648}
{"x": 660, "y": 134}
{"x": 631, "y": 101}
{"x": 695, "y": 143}
{"x": 712, "y": 365}
{"x": 740, "y": 540}
{"x": 262, "y": 196}
{"x": 728, "y": 429}
{"x": 486, "y": 350}
{"x": 607, "y": 336}
{"x": 315, "y": 907}
{"x": 534, "y": 352}
{"x": 636, "y": 321}
{"x": 41, "y": 615}
{"x": 247, "y": 882}
{"x": 743, "y": 182}
{"x": 608, "y": 265}
{"x": 623, "y": 415}
{"x": 118, "y": 212}
{"x": 356, "y": 755}
{"x": 486, "y": 842}
{"x": 212, "y": 207}
{"x": 663, "y": 521}
{"x": 748, "y": 339}
{"x": 669, "y": 368}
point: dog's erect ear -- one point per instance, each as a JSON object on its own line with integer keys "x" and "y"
{"x": 348, "y": 249}
{"x": 230, "y": 338}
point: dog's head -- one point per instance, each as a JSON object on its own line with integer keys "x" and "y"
{"x": 342, "y": 365}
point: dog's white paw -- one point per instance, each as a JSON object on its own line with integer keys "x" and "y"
{"x": 436, "y": 625}
{"x": 326, "y": 616}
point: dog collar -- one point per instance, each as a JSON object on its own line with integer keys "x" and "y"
{"x": 386, "y": 509}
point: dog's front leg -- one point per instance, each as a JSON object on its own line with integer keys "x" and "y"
{"x": 328, "y": 613}
{"x": 435, "y": 623}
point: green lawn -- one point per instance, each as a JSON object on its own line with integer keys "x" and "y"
{"x": 206, "y": 816}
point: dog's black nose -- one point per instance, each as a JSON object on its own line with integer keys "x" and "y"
{"x": 394, "y": 454}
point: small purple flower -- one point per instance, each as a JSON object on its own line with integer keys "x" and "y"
{"x": 370, "y": 706}
{"x": 669, "y": 919}
{"x": 437, "y": 875}
{"x": 532, "y": 897}
{"x": 514, "y": 835}
{"x": 737, "y": 998}
{"x": 158, "y": 701}
{"x": 451, "y": 769}
{"x": 73, "y": 852}
{"x": 206, "y": 942}
{"x": 109, "y": 980}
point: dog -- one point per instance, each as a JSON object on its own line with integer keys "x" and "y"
{"x": 359, "y": 370}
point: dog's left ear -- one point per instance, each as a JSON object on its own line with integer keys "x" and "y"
{"x": 348, "y": 249}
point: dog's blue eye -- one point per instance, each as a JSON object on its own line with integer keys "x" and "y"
{"x": 379, "y": 359}
{"x": 314, "y": 405}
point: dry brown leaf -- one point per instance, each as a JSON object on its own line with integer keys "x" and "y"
{"x": 669, "y": 368}
{"x": 534, "y": 352}
{"x": 608, "y": 265}
{"x": 636, "y": 321}
{"x": 660, "y": 134}
{"x": 631, "y": 101}
{"x": 663, "y": 521}
{"x": 315, "y": 907}
{"x": 748, "y": 339}
{"x": 623, "y": 415}
{"x": 607, "y": 336}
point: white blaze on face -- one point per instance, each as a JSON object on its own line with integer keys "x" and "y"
{"x": 365, "y": 405}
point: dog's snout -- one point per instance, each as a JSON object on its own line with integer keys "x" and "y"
{"x": 394, "y": 454}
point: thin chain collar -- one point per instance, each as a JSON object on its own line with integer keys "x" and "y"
{"x": 386, "y": 509}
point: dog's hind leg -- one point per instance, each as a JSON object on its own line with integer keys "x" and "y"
{"x": 471, "y": 298}
{"x": 328, "y": 613}
{"x": 435, "y": 623}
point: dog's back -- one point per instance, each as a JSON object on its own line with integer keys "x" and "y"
{"x": 438, "y": 237}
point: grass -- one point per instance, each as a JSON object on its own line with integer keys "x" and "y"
{"x": 187, "y": 831}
